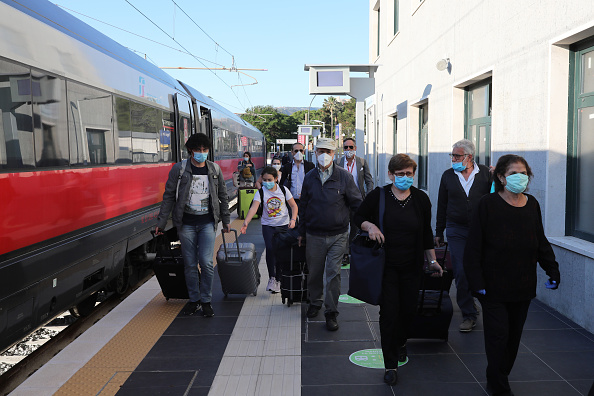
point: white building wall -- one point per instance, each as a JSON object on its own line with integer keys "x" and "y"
{"x": 523, "y": 46}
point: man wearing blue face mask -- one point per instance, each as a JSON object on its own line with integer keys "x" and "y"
{"x": 460, "y": 190}
{"x": 328, "y": 196}
{"x": 196, "y": 193}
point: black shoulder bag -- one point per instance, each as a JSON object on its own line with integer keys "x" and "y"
{"x": 367, "y": 262}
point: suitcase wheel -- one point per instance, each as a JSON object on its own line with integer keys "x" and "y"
{"x": 256, "y": 292}
{"x": 289, "y": 302}
{"x": 166, "y": 298}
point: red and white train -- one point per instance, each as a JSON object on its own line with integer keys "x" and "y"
{"x": 88, "y": 134}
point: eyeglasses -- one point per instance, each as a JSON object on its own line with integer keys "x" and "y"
{"x": 457, "y": 156}
{"x": 349, "y": 147}
{"x": 402, "y": 174}
{"x": 298, "y": 150}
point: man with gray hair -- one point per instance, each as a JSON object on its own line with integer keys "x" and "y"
{"x": 460, "y": 190}
{"x": 328, "y": 196}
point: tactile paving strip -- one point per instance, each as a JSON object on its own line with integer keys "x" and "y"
{"x": 107, "y": 371}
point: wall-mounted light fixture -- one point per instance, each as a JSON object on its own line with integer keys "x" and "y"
{"x": 443, "y": 64}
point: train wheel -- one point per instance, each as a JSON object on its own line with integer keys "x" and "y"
{"x": 121, "y": 283}
{"x": 85, "y": 307}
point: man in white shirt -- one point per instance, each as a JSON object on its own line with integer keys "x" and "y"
{"x": 359, "y": 169}
{"x": 294, "y": 172}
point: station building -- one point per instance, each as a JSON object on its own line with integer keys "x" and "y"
{"x": 514, "y": 77}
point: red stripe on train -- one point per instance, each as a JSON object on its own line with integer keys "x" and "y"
{"x": 36, "y": 206}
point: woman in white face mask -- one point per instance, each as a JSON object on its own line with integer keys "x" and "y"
{"x": 276, "y": 164}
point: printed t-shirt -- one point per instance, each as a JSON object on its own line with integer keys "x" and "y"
{"x": 197, "y": 209}
{"x": 274, "y": 210}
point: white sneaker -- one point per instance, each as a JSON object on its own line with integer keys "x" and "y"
{"x": 270, "y": 286}
{"x": 276, "y": 287}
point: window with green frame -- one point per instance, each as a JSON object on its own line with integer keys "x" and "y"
{"x": 580, "y": 185}
{"x": 396, "y": 6}
{"x": 477, "y": 120}
{"x": 423, "y": 145}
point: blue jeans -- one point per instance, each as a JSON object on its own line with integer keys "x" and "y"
{"x": 457, "y": 235}
{"x": 274, "y": 271}
{"x": 197, "y": 245}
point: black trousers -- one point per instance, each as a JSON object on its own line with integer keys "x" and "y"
{"x": 400, "y": 292}
{"x": 503, "y": 323}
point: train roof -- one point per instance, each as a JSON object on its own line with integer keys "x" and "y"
{"x": 57, "y": 18}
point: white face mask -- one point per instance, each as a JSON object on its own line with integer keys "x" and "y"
{"x": 324, "y": 160}
{"x": 298, "y": 156}
{"x": 277, "y": 167}
{"x": 349, "y": 154}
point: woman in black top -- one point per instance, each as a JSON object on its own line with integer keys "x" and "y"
{"x": 505, "y": 242}
{"x": 407, "y": 236}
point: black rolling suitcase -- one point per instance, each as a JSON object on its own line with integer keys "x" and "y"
{"x": 434, "y": 309}
{"x": 169, "y": 269}
{"x": 237, "y": 267}
{"x": 294, "y": 273}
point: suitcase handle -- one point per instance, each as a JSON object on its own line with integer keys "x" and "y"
{"x": 236, "y": 244}
{"x": 443, "y": 266}
{"x": 167, "y": 241}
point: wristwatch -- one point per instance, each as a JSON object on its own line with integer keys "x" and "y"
{"x": 432, "y": 262}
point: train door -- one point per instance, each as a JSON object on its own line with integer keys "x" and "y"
{"x": 184, "y": 123}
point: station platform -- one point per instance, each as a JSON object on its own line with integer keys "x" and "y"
{"x": 255, "y": 345}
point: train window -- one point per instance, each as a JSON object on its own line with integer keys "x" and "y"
{"x": 89, "y": 125}
{"x": 123, "y": 130}
{"x": 165, "y": 136}
{"x": 16, "y": 125}
{"x": 146, "y": 123}
{"x": 49, "y": 120}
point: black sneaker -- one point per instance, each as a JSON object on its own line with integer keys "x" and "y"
{"x": 391, "y": 377}
{"x": 312, "y": 311}
{"x": 331, "y": 322}
{"x": 191, "y": 308}
{"x": 207, "y": 310}
{"x": 402, "y": 354}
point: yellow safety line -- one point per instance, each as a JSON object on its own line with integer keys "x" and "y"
{"x": 107, "y": 371}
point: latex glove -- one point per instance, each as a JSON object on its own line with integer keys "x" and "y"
{"x": 551, "y": 284}
{"x": 482, "y": 291}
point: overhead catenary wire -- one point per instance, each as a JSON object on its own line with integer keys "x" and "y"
{"x": 178, "y": 43}
{"x": 137, "y": 35}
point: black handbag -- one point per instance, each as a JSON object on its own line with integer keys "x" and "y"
{"x": 368, "y": 258}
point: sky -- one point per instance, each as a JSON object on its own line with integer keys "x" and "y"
{"x": 280, "y": 36}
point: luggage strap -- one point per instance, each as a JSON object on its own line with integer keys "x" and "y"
{"x": 167, "y": 242}
{"x": 181, "y": 172}
{"x": 227, "y": 258}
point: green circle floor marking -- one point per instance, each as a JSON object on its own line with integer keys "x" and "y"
{"x": 370, "y": 358}
{"x": 345, "y": 298}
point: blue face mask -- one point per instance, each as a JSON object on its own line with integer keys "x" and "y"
{"x": 517, "y": 183}
{"x": 268, "y": 185}
{"x": 403, "y": 183}
{"x": 458, "y": 166}
{"x": 200, "y": 157}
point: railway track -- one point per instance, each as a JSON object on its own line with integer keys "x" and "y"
{"x": 21, "y": 360}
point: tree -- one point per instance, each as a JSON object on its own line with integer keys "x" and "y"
{"x": 274, "y": 125}
{"x": 334, "y": 107}
{"x": 347, "y": 118}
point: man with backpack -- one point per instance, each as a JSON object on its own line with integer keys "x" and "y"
{"x": 196, "y": 193}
